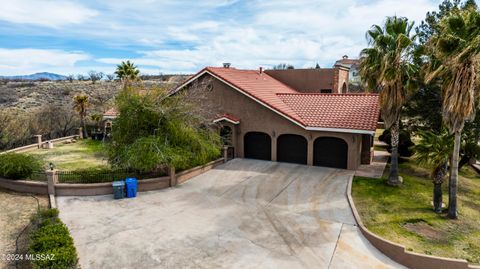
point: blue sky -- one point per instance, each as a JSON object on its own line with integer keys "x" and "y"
{"x": 72, "y": 37}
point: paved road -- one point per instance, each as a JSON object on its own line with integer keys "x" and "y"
{"x": 243, "y": 214}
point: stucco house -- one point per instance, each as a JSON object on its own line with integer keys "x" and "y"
{"x": 354, "y": 71}
{"x": 289, "y": 116}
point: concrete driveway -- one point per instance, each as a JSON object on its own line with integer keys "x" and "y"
{"x": 243, "y": 214}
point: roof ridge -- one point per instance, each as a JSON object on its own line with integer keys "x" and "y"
{"x": 328, "y": 94}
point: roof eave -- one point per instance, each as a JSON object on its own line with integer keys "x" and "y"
{"x": 340, "y": 130}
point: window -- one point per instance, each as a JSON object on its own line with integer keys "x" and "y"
{"x": 326, "y": 91}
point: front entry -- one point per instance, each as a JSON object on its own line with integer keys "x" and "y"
{"x": 257, "y": 145}
{"x": 330, "y": 152}
{"x": 292, "y": 149}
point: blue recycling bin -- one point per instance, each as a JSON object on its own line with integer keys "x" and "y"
{"x": 118, "y": 189}
{"x": 131, "y": 184}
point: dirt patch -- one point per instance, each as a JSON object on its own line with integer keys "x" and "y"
{"x": 424, "y": 230}
{"x": 15, "y": 212}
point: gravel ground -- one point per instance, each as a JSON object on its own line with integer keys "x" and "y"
{"x": 15, "y": 212}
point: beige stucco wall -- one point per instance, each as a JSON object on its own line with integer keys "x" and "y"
{"x": 255, "y": 117}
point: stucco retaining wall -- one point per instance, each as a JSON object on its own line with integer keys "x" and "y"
{"x": 193, "y": 172}
{"x": 64, "y": 189}
{"x": 24, "y": 186}
{"x": 35, "y": 146}
{"x": 398, "y": 252}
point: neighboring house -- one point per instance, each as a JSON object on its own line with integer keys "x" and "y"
{"x": 354, "y": 74}
{"x": 107, "y": 120}
{"x": 262, "y": 117}
{"x": 317, "y": 80}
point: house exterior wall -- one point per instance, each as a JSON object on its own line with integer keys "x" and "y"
{"x": 340, "y": 77}
{"x": 255, "y": 117}
{"x": 306, "y": 80}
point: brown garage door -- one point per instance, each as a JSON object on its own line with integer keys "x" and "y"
{"x": 292, "y": 149}
{"x": 257, "y": 145}
{"x": 330, "y": 152}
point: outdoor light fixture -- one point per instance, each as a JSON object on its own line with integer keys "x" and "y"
{"x": 51, "y": 166}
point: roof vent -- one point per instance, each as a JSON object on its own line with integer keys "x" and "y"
{"x": 226, "y": 65}
{"x": 345, "y": 56}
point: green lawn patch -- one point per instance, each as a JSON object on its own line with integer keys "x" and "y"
{"x": 404, "y": 215}
{"x": 84, "y": 154}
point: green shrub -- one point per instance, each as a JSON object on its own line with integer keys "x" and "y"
{"x": 18, "y": 166}
{"x": 51, "y": 237}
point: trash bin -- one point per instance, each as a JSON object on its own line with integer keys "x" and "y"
{"x": 118, "y": 189}
{"x": 131, "y": 184}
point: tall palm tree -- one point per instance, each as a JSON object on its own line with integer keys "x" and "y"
{"x": 127, "y": 72}
{"x": 81, "y": 104}
{"x": 386, "y": 67}
{"x": 456, "y": 52}
{"x": 435, "y": 150}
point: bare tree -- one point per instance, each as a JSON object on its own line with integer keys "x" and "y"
{"x": 71, "y": 78}
{"x": 110, "y": 77}
{"x": 283, "y": 66}
{"x": 56, "y": 121}
{"x": 80, "y": 77}
{"x": 95, "y": 76}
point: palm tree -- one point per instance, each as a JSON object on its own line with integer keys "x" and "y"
{"x": 455, "y": 50}
{"x": 80, "y": 105}
{"x": 96, "y": 118}
{"x": 127, "y": 72}
{"x": 386, "y": 67}
{"x": 435, "y": 150}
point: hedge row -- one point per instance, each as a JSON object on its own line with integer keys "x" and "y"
{"x": 51, "y": 241}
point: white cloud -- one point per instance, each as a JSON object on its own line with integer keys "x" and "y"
{"x": 45, "y": 13}
{"x": 27, "y": 61}
{"x": 182, "y": 37}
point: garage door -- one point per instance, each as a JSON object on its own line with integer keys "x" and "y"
{"x": 292, "y": 149}
{"x": 330, "y": 152}
{"x": 257, "y": 145}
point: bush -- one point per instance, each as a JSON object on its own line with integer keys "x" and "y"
{"x": 156, "y": 129}
{"x": 405, "y": 142}
{"x": 18, "y": 166}
{"x": 52, "y": 239}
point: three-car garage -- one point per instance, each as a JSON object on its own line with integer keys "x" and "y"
{"x": 293, "y": 148}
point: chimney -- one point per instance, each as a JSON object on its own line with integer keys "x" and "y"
{"x": 260, "y": 71}
{"x": 226, "y": 65}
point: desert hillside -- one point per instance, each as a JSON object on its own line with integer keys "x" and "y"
{"x": 31, "y": 95}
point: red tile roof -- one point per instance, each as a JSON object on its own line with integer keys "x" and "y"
{"x": 329, "y": 111}
{"x": 112, "y": 112}
{"x": 259, "y": 86}
{"x": 229, "y": 117}
{"x": 342, "y": 111}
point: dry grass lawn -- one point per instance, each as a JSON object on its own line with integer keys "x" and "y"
{"x": 15, "y": 212}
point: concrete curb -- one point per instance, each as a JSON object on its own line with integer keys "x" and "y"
{"x": 398, "y": 253}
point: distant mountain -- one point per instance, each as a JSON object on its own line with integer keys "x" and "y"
{"x": 36, "y": 76}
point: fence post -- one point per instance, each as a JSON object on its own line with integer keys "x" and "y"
{"x": 52, "y": 180}
{"x": 225, "y": 154}
{"x": 39, "y": 141}
{"x": 173, "y": 177}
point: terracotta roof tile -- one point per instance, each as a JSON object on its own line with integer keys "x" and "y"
{"x": 112, "y": 112}
{"x": 260, "y": 86}
{"x": 341, "y": 111}
{"x": 332, "y": 111}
